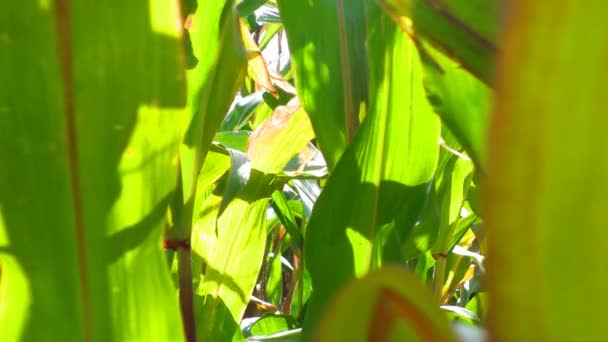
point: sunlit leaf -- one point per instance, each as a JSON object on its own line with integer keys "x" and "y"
{"x": 279, "y": 138}
{"x": 257, "y": 68}
{"x": 231, "y": 247}
{"x": 381, "y": 180}
{"x": 91, "y": 117}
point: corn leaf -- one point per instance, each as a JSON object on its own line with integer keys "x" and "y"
{"x": 547, "y": 183}
{"x": 217, "y": 43}
{"x": 465, "y": 30}
{"x": 330, "y": 67}
{"x": 91, "y": 117}
{"x": 232, "y": 248}
{"x": 381, "y": 180}
{"x": 463, "y": 103}
{"x": 389, "y": 304}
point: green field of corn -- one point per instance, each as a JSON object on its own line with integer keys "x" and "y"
{"x": 303, "y": 170}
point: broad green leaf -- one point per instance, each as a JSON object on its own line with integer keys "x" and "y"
{"x": 465, "y": 30}
{"x": 91, "y": 115}
{"x": 462, "y": 102}
{"x": 212, "y": 84}
{"x": 232, "y": 248}
{"x": 382, "y": 177}
{"x": 330, "y": 67}
{"x": 389, "y": 304}
{"x": 231, "y": 242}
{"x": 547, "y": 185}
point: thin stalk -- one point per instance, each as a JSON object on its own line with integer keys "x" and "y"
{"x": 440, "y": 268}
{"x": 177, "y": 238}
{"x": 186, "y": 292}
{"x": 293, "y": 283}
{"x": 442, "y": 259}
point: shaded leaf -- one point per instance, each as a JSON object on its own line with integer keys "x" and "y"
{"x": 247, "y": 7}
{"x": 330, "y": 67}
{"x": 462, "y": 102}
{"x": 382, "y": 177}
{"x": 465, "y": 30}
{"x": 283, "y": 211}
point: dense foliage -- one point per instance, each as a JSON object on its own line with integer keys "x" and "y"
{"x": 286, "y": 170}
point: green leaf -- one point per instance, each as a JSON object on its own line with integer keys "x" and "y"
{"x": 247, "y": 7}
{"x": 90, "y": 114}
{"x": 434, "y": 230}
{"x": 464, "y": 30}
{"x": 330, "y": 67}
{"x": 462, "y": 102}
{"x": 211, "y": 88}
{"x": 546, "y": 184}
{"x": 236, "y": 140}
{"x": 270, "y": 324}
{"x": 241, "y": 110}
{"x": 382, "y": 178}
{"x": 283, "y": 211}
{"x": 389, "y": 304}
{"x": 231, "y": 247}
{"x": 452, "y": 189}
{"x": 238, "y": 175}
{"x": 274, "y": 284}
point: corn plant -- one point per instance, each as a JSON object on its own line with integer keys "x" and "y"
{"x": 286, "y": 170}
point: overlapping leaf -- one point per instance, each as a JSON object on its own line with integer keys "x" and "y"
{"x": 381, "y": 180}
{"x": 91, "y": 119}
{"x": 231, "y": 242}
{"x": 465, "y": 30}
{"x": 330, "y": 67}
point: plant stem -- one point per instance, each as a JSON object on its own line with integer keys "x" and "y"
{"x": 440, "y": 268}
{"x": 177, "y": 238}
{"x": 442, "y": 259}
{"x": 186, "y": 293}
